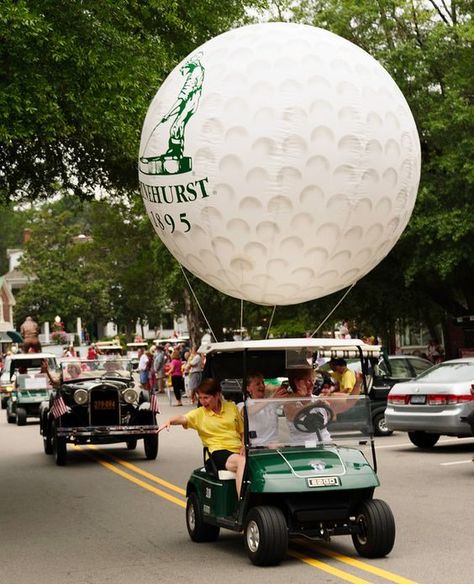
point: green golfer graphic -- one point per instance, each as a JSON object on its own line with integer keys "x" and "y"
{"x": 173, "y": 161}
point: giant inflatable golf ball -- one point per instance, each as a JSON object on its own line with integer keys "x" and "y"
{"x": 279, "y": 163}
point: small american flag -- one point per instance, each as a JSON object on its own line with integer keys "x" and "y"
{"x": 154, "y": 405}
{"x": 59, "y": 407}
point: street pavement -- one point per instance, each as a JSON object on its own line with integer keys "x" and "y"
{"x": 110, "y": 516}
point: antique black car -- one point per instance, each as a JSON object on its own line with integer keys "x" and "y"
{"x": 97, "y": 402}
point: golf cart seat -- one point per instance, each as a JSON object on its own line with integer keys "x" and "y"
{"x": 226, "y": 475}
{"x": 209, "y": 465}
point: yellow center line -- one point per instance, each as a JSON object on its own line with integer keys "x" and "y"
{"x": 359, "y": 564}
{"x": 129, "y": 477}
{"x": 140, "y": 471}
{"x": 329, "y": 569}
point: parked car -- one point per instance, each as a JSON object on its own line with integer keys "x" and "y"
{"x": 382, "y": 374}
{"x": 432, "y": 404}
{"x": 22, "y": 363}
{"x": 97, "y": 402}
{"x": 309, "y": 479}
{"x": 29, "y": 391}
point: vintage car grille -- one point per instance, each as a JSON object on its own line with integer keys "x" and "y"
{"x": 105, "y": 407}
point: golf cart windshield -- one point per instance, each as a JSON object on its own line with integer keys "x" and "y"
{"x": 107, "y": 366}
{"x": 307, "y": 422}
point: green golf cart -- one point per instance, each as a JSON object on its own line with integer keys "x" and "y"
{"x": 311, "y": 474}
{"x": 29, "y": 391}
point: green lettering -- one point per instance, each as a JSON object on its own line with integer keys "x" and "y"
{"x": 180, "y": 198}
{"x": 203, "y": 189}
{"x": 192, "y": 195}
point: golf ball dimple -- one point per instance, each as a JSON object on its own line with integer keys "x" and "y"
{"x": 279, "y": 163}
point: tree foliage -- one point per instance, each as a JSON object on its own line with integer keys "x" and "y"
{"x": 426, "y": 47}
{"x": 76, "y": 83}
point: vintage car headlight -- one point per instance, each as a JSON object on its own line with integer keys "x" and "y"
{"x": 81, "y": 397}
{"x": 130, "y": 395}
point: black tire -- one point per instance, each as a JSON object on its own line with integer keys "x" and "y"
{"x": 151, "y": 446}
{"x": 4, "y": 402}
{"x": 265, "y": 535}
{"x": 10, "y": 419}
{"x": 380, "y": 425}
{"x": 423, "y": 439}
{"x": 198, "y": 530}
{"x": 20, "y": 416}
{"x": 47, "y": 442}
{"x": 131, "y": 443}
{"x": 376, "y": 529}
{"x": 59, "y": 446}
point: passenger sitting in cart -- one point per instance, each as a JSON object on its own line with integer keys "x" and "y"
{"x": 301, "y": 382}
{"x": 263, "y": 427}
{"x": 220, "y": 427}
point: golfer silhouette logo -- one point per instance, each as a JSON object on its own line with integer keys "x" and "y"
{"x": 187, "y": 102}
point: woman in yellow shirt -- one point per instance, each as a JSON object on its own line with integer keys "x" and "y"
{"x": 220, "y": 427}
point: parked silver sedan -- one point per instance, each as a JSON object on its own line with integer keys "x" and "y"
{"x": 433, "y": 403}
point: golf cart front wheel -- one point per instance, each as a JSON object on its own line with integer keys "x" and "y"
{"x": 198, "y": 530}
{"x": 375, "y": 534}
{"x": 266, "y": 536}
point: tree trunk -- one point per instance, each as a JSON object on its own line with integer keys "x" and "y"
{"x": 193, "y": 320}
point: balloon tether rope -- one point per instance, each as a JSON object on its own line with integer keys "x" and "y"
{"x": 197, "y": 302}
{"x": 271, "y": 321}
{"x": 332, "y": 311}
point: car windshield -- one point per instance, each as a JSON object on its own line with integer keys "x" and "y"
{"x": 448, "y": 372}
{"x": 307, "y": 422}
{"x": 107, "y": 366}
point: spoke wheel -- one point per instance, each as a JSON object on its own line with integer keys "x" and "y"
{"x": 266, "y": 536}
{"x": 151, "y": 446}
{"x": 59, "y": 446}
{"x": 131, "y": 443}
{"x": 375, "y": 534}
{"x": 198, "y": 530}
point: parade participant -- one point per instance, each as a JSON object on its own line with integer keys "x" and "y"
{"x": 30, "y": 332}
{"x": 220, "y": 427}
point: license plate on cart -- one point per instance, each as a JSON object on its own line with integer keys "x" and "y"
{"x": 324, "y": 482}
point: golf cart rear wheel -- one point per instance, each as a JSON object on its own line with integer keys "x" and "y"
{"x": 266, "y": 536}
{"x": 59, "y": 446}
{"x": 198, "y": 530}
{"x": 376, "y": 529}
{"x": 423, "y": 439}
{"x": 20, "y": 416}
{"x": 151, "y": 446}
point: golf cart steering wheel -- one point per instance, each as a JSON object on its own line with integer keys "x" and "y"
{"x": 310, "y": 420}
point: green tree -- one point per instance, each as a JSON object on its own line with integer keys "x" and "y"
{"x": 76, "y": 83}
{"x": 426, "y": 46}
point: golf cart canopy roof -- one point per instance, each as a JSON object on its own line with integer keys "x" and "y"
{"x": 272, "y": 357}
{"x": 346, "y": 348}
{"x": 137, "y": 345}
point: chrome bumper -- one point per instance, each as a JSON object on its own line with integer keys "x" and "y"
{"x": 107, "y": 431}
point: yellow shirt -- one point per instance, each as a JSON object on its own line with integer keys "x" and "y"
{"x": 346, "y": 380}
{"x": 218, "y": 431}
